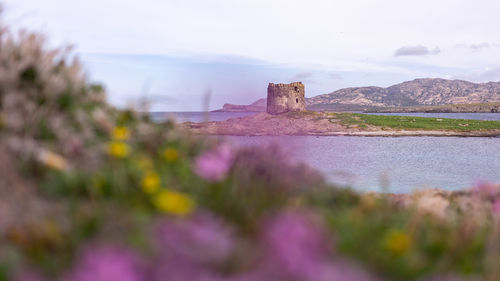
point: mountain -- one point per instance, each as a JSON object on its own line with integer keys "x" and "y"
{"x": 418, "y": 92}
{"x": 257, "y": 106}
{"x": 426, "y": 91}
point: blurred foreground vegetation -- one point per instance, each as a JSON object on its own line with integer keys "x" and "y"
{"x": 90, "y": 192}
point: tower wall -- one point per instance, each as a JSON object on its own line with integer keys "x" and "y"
{"x": 283, "y": 98}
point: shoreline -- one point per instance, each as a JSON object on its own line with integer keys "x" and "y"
{"x": 394, "y": 134}
{"x": 324, "y": 124}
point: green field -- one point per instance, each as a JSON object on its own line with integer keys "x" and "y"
{"x": 414, "y": 123}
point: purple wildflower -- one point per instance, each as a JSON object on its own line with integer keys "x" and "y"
{"x": 201, "y": 239}
{"x": 213, "y": 165}
{"x": 325, "y": 271}
{"x": 191, "y": 249}
{"x": 294, "y": 245}
{"x": 179, "y": 269}
{"x": 107, "y": 263}
{"x": 295, "y": 249}
{"x": 485, "y": 189}
{"x": 495, "y": 207}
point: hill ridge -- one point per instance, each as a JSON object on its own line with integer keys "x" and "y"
{"x": 419, "y": 91}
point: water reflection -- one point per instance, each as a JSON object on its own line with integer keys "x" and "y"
{"x": 401, "y": 164}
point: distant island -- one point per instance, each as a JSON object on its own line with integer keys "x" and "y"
{"x": 286, "y": 114}
{"x": 257, "y": 106}
{"x": 311, "y": 123}
{"x": 418, "y": 95}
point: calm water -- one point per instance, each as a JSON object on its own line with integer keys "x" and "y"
{"x": 402, "y": 164}
{"x": 221, "y": 116}
{"x": 369, "y": 163}
{"x": 198, "y": 116}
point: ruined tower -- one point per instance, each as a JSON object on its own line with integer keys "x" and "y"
{"x": 283, "y": 98}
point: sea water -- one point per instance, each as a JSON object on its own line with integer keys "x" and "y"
{"x": 394, "y": 164}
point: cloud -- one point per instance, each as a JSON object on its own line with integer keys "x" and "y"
{"x": 417, "y": 50}
{"x": 478, "y": 47}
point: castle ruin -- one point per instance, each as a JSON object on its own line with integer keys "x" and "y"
{"x": 283, "y": 98}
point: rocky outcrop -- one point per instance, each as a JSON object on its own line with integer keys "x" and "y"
{"x": 264, "y": 124}
{"x": 282, "y": 98}
{"x": 258, "y": 106}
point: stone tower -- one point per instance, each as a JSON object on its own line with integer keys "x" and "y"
{"x": 283, "y": 98}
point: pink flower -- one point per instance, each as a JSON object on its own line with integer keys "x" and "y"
{"x": 495, "y": 207}
{"x": 192, "y": 249}
{"x": 202, "y": 239}
{"x": 485, "y": 189}
{"x": 295, "y": 248}
{"x": 294, "y": 245}
{"x": 213, "y": 165}
{"x": 183, "y": 270}
{"x": 107, "y": 263}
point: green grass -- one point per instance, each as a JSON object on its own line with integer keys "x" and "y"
{"x": 415, "y": 123}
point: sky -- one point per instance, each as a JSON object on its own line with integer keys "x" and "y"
{"x": 176, "y": 53}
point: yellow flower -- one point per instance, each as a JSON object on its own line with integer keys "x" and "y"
{"x": 121, "y": 133}
{"x": 118, "y": 149}
{"x": 170, "y": 154}
{"x": 173, "y": 202}
{"x": 397, "y": 242}
{"x": 151, "y": 182}
{"x": 53, "y": 160}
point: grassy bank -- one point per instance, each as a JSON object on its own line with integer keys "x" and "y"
{"x": 413, "y": 123}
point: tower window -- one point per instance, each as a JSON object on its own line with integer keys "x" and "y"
{"x": 296, "y": 100}
{"x": 296, "y": 89}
